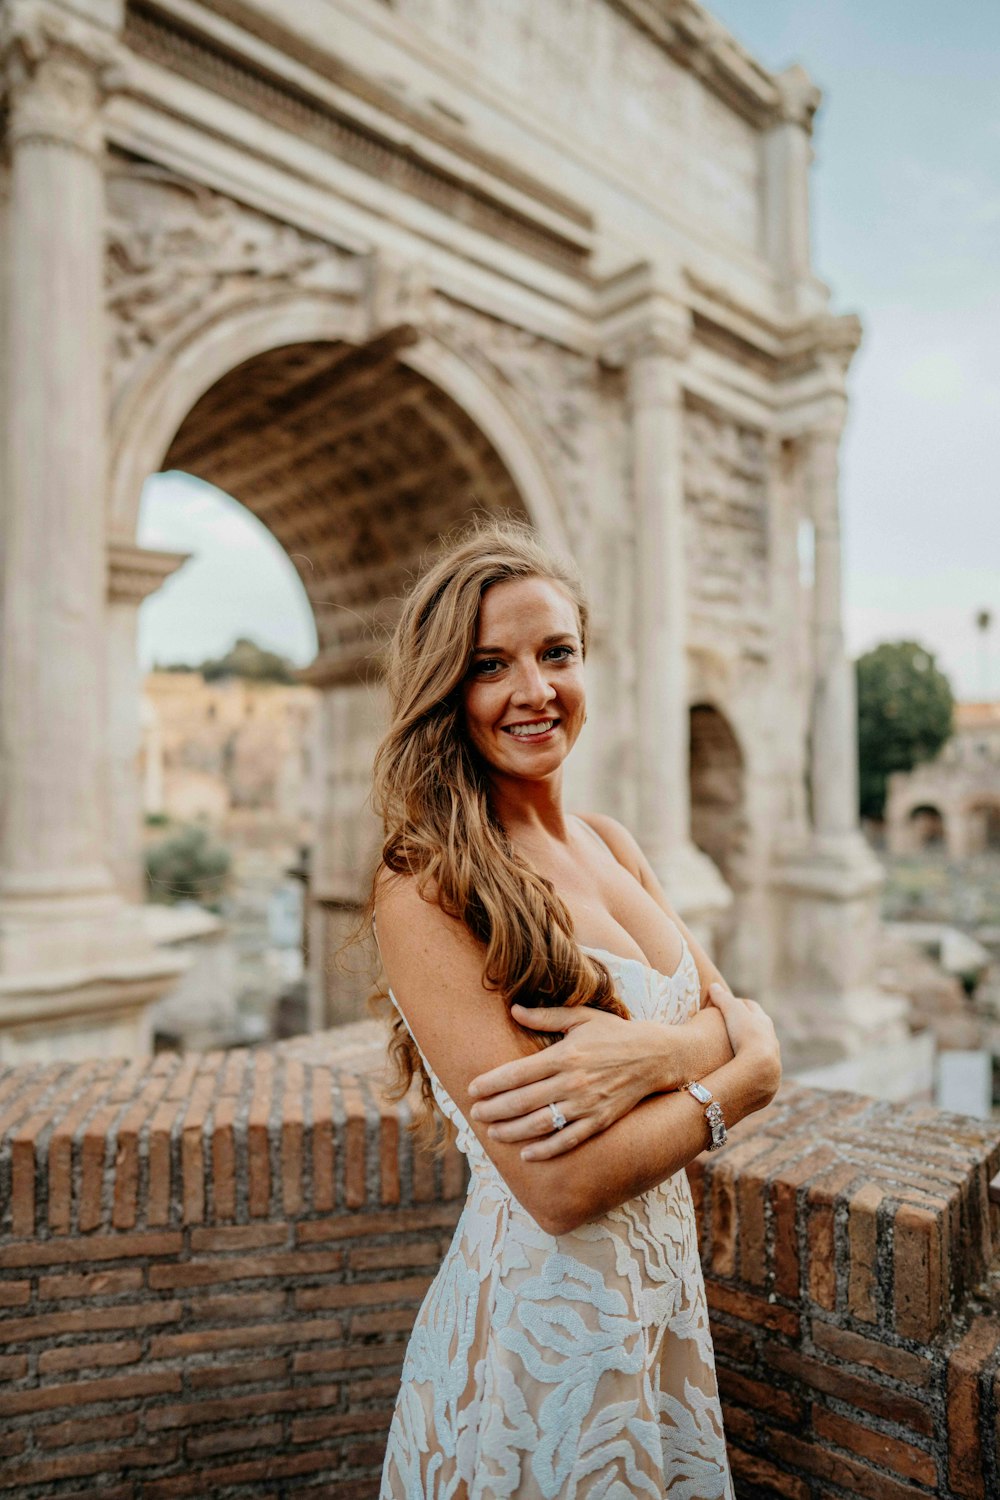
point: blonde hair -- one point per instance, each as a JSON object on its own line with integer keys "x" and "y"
{"x": 433, "y": 796}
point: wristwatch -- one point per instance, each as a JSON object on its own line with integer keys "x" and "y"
{"x": 713, "y": 1114}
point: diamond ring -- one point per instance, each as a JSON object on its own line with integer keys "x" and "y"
{"x": 558, "y": 1118}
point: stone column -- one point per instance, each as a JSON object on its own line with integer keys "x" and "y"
{"x": 67, "y": 941}
{"x": 787, "y": 156}
{"x": 133, "y": 574}
{"x": 656, "y": 405}
{"x": 834, "y": 736}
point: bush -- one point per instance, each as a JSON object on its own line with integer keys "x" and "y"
{"x": 904, "y": 715}
{"x": 187, "y": 866}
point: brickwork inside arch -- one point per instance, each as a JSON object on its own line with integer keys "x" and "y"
{"x": 209, "y": 1266}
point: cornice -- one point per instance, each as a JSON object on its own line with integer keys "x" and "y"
{"x": 393, "y": 142}
{"x": 136, "y": 572}
{"x": 702, "y": 45}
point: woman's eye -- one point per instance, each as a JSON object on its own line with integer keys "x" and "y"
{"x": 569, "y": 650}
{"x": 480, "y": 667}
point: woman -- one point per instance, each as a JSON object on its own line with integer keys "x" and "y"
{"x": 549, "y": 998}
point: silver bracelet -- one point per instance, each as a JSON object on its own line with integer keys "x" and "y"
{"x": 713, "y": 1114}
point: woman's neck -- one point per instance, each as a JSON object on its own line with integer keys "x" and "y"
{"x": 530, "y": 808}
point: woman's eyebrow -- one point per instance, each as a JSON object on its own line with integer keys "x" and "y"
{"x": 549, "y": 640}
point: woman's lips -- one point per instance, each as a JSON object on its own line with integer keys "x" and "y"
{"x": 536, "y": 736}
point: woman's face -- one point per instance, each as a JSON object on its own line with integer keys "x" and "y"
{"x": 524, "y": 693}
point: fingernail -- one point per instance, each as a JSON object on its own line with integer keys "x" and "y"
{"x": 474, "y": 1112}
{"x": 473, "y": 1089}
{"x": 527, "y": 1154}
{"x": 715, "y": 988}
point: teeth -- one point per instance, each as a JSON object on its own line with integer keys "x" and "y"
{"x": 523, "y": 730}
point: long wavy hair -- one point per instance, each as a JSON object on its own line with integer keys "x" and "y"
{"x": 432, "y": 792}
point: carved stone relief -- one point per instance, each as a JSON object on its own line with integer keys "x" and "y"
{"x": 726, "y": 490}
{"x": 174, "y": 248}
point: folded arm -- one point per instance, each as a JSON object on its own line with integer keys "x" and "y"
{"x": 463, "y": 1029}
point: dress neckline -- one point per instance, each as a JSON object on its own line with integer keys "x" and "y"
{"x": 621, "y": 959}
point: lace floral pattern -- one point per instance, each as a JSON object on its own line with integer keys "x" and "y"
{"x": 561, "y": 1367}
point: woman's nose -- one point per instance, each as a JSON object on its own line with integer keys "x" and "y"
{"x": 531, "y": 687}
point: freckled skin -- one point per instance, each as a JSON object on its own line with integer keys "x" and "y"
{"x": 533, "y": 670}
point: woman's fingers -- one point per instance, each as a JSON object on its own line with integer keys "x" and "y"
{"x": 513, "y": 1075}
{"x": 513, "y": 1103}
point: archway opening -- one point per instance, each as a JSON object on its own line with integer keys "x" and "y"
{"x": 718, "y": 811}
{"x": 983, "y": 821}
{"x": 926, "y": 826}
{"x": 357, "y": 465}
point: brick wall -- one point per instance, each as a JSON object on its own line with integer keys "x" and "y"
{"x": 209, "y": 1267}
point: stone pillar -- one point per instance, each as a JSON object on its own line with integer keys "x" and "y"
{"x": 133, "y": 574}
{"x": 65, "y": 934}
{"x": 656, "y": 406}
{"x": 787, "y": 157}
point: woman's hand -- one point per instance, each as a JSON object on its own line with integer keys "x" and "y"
{"x": 751, "y": 1035}
{"x": 600, "y": 1069}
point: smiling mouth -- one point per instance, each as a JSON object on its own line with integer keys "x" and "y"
{"x": 530, "y": 731}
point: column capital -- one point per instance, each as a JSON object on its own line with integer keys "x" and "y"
{"x": 136, "y": 572}
{"x": 56, "y": 67}
{"x": 797, "y": 98}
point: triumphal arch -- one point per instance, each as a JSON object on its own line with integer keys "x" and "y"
{"x": 372, "y": 266}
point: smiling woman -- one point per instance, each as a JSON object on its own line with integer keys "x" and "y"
{"x": 565, "y": 1338}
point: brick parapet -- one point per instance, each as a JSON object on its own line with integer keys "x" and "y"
{"x": 209, "y": 1267}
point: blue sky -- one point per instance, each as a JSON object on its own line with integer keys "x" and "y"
{"x": 906, "y": 232}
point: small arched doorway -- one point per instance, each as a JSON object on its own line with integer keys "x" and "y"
{"x": 925, "y": 825}
{"x": 718, "y": 810}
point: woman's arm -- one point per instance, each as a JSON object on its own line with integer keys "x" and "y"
{"x": 603, "y": 1068}
{"x": 435, "y": 968}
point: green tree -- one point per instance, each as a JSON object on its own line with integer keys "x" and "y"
{"x": 187, "y": 866}
{"x": 247, "y": 659}
{"x": 905, "y": 708}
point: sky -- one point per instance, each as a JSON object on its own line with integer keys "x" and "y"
{"x": 906, "y": 232}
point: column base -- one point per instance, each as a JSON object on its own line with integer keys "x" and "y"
{"x": 825, "y": 1001}
{"x": 78, "y": 976}
{"x": 694, "y": 884}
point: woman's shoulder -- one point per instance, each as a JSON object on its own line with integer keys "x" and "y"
{"x": 618, "y": 839}
{"x": 409, "y": 916}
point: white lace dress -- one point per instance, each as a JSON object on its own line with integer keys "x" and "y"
{"x": 572, "y": 1365}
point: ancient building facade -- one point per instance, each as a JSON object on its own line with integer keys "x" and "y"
{"x": 952, "y": 802}
{"x": 373, "y": 265}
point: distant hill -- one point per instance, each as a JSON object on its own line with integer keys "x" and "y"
{"x": 244, "y": 659}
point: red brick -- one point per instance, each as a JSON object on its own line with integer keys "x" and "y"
{"x": 13, "y": 1366}
{"x": 721, "y": 1192}
{"x": 245, "y": 1372}
{"x": 232, "y": 1408}
{"x": 240, "y": 1237}
{"x": 755, "y": 1311}
{"x": 355, "y": 1131}
{"x": 862, "y": 1236}
{"x": 238, "y": 1308}
{"x": 88, "y": 1356}
{"x": 914, "y": 1369}
{"x": 264, "y": 1335}
{"x": 93, "y": 1247}
{"x": 210, "y": 1481}
{"x": 784, "y": 1189}
{"x": 193, "y": 1147}
{"x": 322, "y": 1142}
{"x": 423, "y": 1172}
{"x": 362, "y": 1293}
{"x": 920, "y": 1279}
{"x": 14, "y": 1293}
{"x": 13, "y": 1443}
{"x": 234, "y": 1071}
{"x": 89, "y": 1320}
{"x": 398, "y": 1320}
{"x": 854, "y": 1477}
{"x": 325, "y": 1361}
{"x": 315, "y": 1429}
{"x": 92, "y": 1284}
{"x": 224, "y": 1158}
{"x": 292, "y": 1263}
{"x": 125, "y": 1209}
{"x": 853, "y": 1389}
{"x": 291, "y": 1137}
{"x": 373, "y": 1387}
{"x": 86, "y": 1430}
{"x": 905, "y": 1459}
{"x": 433, "y": 1216}
{"x": 93, "y": 1146}
{"x": 753, "y": 1469}
{"x": 387, "y": 1257}
{"x": 24, "y": 1146}
{"x": 965, "y": 1439}
{"x": 258, "y": 1135}
{"x": 85, "y": 1392}
{"x": 60, "y": 1157}
{"x": 234, "y": 1440}
{"x": 759, "y": 1397}
{"x": 389, "y": 1152}
{"x": 74, "y": 1466}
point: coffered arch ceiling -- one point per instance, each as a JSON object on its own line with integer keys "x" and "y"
{"x": 356, "y": 463}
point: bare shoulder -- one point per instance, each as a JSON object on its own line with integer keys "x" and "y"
{"x": 618, "y": 839}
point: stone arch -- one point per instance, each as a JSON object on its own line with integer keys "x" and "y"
{"x": 719, "y": 824}
{"x": 982, "y": 822}
{"x": 926, "y": 826}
